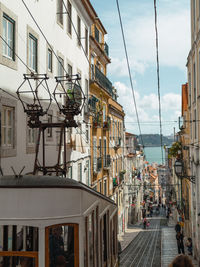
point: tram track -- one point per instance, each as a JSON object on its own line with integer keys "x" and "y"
{"x": 142, "y": 250}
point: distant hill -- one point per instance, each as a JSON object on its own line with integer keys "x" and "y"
{"x": 154, "y": 140}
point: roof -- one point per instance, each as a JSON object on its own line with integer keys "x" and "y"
{"x": 31, "y": 181}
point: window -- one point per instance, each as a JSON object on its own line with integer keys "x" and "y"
{"x": 49, "y": 130}
{"x": 60, "y": 12}
{"x": 104, "y": 151}
{"x": 69, "y": 17}
{"x": 104, "y": 113}
{"x": 7, "y": 126}
{"x": 86, "y": 41}
{"x": 69, "y": 68}
{"x": 94, "y": 155}
{"x": 32, "y": 52}
{"x": 194, "y": 82}
{"x": 195, "y": 124}
{"x": 96, "y": 34}
{"x": 69, "y": 173}
{"x": 80, "y": 172}
{"x": 31, "y": 136}
{"x": 79, "y": 30}
{"x": 87, "y": 135}
{"x": 18, "y": 245}
{"x": 88, "y": 172}
{"x": 62, "y": 245}
{"x": 49, "y": 58}
{"x": 105, "y": 187}
{"x": 9, "y": 37}
{"x": 189, "y": 84}
{"x": 60, "y": 67}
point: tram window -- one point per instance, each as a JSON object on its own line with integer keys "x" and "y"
{"x": 104, "y": 243}
{"x": 61, "y": 240}
{"x": 18, "y": 238}
{"x": 91, "y": 239}
{"x": 17, "y": 261}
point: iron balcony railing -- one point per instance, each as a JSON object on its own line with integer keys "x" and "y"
{"x": 103, "y": 80}
{"x": 106, "y": 161}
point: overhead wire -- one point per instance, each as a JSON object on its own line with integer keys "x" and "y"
{"x": 129, "y": 71}
{"x": 158, "y": 78}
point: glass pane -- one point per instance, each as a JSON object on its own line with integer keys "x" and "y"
{"x": 18, "y": 238}
{"x": 4, "y": 36}
{"x": 91, "y": 243}
{"x": 10, "y": 38}
{"x": 9, "y": 136}
{"x": 4, "y": 136}
{"x": 10, "y": 114}
{"x": 61, "y": 246}
{"x": 17, "y": 262}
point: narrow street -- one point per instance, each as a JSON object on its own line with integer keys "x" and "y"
{"x": 153, "y": 247}
{"x": 145, "y": 249}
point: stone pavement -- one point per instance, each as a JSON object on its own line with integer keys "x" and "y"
{"x": 169, "y": 245}
{"x": 129, "y": 235}
{"x": 168, "y": 242}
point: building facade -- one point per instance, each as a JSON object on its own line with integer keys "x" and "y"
{"x": 24, "y": 50}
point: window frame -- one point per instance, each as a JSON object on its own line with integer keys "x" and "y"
{"x": 12, "y": 150}
{"x": 76, "y": 242}
{"x": 12, "y": 22}
{"x": 35, "y": 37}
{"x": 78, "y": 31}
{"x": 59, "y": 13}
{"x": 69, "y": 18}
{"x": 4, "y": 60}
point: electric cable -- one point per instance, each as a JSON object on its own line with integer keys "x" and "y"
{"x": 158, "y": 78}
{"x": 129, "y": 71}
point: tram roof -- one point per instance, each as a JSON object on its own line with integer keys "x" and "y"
{"x": 31, "y": 181}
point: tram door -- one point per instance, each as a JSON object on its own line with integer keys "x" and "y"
{"x": 62, "y": 245}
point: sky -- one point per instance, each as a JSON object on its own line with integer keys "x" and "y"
{"x": 174, "y": 45}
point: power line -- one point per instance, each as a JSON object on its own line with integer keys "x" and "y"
{"x": 43, "y": 35}
{"x": 129, "y": 71}
{"x": 158, "y": 78}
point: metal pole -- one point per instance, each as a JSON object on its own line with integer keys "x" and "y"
{"x": 43, "y": 148}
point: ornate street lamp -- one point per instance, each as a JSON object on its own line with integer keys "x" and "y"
{"x": 35, "y": 96}
{"x": 180, "y": 171}
{"x": 69, "y": 97}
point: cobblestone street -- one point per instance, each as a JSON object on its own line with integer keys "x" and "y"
{"x": 154, "y": 247}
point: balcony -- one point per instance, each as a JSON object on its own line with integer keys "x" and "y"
{"x": 103, "y": 80}
{"x": 96, "y": 121}
{"x": 106, "y": 124}
{"x": 99, "y": 164}
{"x": 117, "y": 143}
{"x": 106, "y": 162}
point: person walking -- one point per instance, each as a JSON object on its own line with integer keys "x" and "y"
{"x": 177, "y": 227}
{"x": 180, "y": 245}
{"x": 181, "y": 261}
{"x": 189, "y": 245}
{"x": 144, "y": 223}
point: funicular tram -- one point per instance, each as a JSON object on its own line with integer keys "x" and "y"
{"x": 48, "y": 221}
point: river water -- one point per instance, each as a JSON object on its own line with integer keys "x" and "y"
{"x": 153, "y": 154}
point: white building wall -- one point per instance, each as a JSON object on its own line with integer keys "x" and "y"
{"x": 63, "y": 44}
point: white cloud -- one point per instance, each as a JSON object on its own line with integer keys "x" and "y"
{"x": 174, "y": 41}
{"x": 147, "y": 107}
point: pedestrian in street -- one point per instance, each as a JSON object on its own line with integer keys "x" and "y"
{"x": 180, "y": 244}
{"x": 189, "y": 245}
{"x": 144, "y": 223}
{"x": 181, "y": 261}
{"x": 177, "y": 227}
